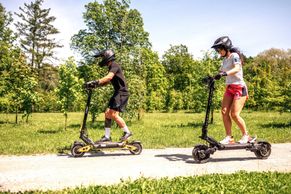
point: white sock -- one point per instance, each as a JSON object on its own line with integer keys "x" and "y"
{"x": 125, "y": 129}
{"x": 107, "y": 132}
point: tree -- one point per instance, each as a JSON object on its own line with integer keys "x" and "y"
{"x": 69, "y": 88}
{"x": 20, "y": 85}
{"x": 112, "y": 24}
{"x": 6, "y": 45}
{"x": 47, "y": 83}
{"x": 180, "y": 68}
{"x": 6, "y": 34}
{"x": 36, "y": 33}
{"x": 156, "y": 81}
{"x": 269, "y": 75}
{"x": 17, "y": 81}
{"x": 186, "y": 89}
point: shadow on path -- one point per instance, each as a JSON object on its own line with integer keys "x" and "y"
{"x": 96, "y": 154}
{"x": 189, "y": 158}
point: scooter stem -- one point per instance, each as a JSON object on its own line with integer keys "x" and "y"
{"x": 209, "y": 103}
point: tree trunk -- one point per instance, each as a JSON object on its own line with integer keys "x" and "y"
{"x": 66, "y": 118}
{"x": 16, "y": 117}
{"x": 93, "y": 117}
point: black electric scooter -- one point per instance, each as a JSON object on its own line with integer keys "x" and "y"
{"x": 78, "y": 149}
{"x": 201, "y": 153}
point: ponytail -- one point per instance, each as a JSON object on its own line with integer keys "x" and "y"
{"x": 236, "y": 50}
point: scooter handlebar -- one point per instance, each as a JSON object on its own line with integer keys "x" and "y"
{"x": 208, "y": 80}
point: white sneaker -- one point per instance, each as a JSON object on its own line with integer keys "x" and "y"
{"x": 227, "y": 140}
{"x": 244, "y": 139}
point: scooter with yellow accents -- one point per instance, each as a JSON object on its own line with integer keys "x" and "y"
{"x": 201, "y": 152}
{"x": 79, "y": 148}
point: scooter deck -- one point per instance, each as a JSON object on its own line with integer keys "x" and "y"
{"x": 236, "y": 146}
{"x": 109, "y": 145}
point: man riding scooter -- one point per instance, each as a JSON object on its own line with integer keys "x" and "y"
{"x": 119, "y": 99}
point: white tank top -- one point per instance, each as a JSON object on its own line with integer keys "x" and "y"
{"x": 228, "y": 64}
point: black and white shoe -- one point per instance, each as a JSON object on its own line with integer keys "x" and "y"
{"x": 104, "y": 139}
{"x": 125, "y": 136}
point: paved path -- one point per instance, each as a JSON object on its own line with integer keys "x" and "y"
{"x": 20, "y": 173}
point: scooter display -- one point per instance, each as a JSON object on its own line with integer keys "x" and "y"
{"x": 78, "y": 149}
{"x": 201, "y": 152}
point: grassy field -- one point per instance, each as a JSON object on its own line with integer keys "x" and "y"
{"x": 240, "y": 182}
{"x": 45, "y": 131}
{"x": 45, "y": 134}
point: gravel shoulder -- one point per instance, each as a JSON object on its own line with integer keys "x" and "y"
{"x": 54, "y": 172}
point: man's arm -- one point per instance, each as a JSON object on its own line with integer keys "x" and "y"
{"x": 106, "y": 79}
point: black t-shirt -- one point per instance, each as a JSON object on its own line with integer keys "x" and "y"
{"x": 118, "y": 81}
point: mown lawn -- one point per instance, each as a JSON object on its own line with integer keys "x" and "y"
{"x": 239, "y": 183}
{"x": 45, "y": 131}
{"x": 45, "y": 134}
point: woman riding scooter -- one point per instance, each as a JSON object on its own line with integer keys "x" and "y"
{"x": 236, "y": 92}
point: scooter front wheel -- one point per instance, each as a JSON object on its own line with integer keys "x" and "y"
{"x": 264, "y": 150}
{"x": 75, "y": 148}
{"x": 199, "y": 153}
{"x": 137, "y": 148}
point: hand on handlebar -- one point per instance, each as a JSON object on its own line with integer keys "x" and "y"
{"x": 219, "y": 75}
{"x": 91, "y": 84}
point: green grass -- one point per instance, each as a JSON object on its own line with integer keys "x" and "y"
{"x": 45, "y": 134}
{"x": 240, "y": 182}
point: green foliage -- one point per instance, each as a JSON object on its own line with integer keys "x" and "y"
{"x": 136, "y": 98}
{"x": 36, "y": 30}
{"x": 20, "y": 84}
{"x": 6, "y": 50}
{"x": 112, "y": 24}
{"x": 156, "y": 81}
{"x": 48, "y": 77}
{"x": 170, "y": 84}
{"x": 69, "y": 86}
{"x": 177, "y": 62}
{"x": 47, "y": 102}
{"x": 240, "y": 182}
{"x": 6, "y": 34}
{"x": 269, "y": 79}
{"x": 186, "y": 90}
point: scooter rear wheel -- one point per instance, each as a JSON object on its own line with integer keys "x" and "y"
{"x": 199, "y": 153}
{"x": 138, "y": 149}
{"x": 75, "y": 148}
{"x": 263, "y": 151}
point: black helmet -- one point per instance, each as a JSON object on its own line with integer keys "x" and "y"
{"x": 107, "y": 56}
{"x": 222, "y": 42}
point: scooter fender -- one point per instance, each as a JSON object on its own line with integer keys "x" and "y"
{"x": 134, "y": 141}
{"x": 258, "y": 144}
{"x": 78, "y": 143}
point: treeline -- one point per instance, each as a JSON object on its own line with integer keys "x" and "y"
{"x": 30, "y": 80}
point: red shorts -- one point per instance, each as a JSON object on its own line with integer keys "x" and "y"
{"x": 236, "y": 91}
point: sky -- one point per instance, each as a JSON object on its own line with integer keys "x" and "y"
{"x": 253, "y": 25}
